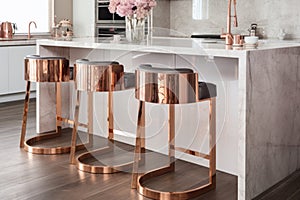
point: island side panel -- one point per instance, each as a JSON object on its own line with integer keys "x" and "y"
{"x": 272, "y": 131}
{"x": 242, "y": 88}
{"x": 297, "y": 118}
{"x": 45, "y": 94}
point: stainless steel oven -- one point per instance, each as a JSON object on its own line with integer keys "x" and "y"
{"x": 104, "y": 16}
{"x": 108, "y": 30}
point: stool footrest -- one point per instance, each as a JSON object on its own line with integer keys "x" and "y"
{"x": 194, "y": 153}
{"x": 71, "y": 122}
{"x": 28, "y": 145}
{"x": 157, "y": 194}
{"x": 100, "y": 169}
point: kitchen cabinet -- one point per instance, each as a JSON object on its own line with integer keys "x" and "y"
{"x": 12, "y": 68}
{"x": 16, "y": 54}
{"x": 4, "y": 70}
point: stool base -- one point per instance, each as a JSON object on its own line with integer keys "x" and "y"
{"x": 29, "y": 144}
{"x": 82, "y": 163}
{"x": 156, "y": 194}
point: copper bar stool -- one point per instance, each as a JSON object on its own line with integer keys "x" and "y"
{"x": 97, "y": 76}
{"x": 45, "y": 69}
{"x": 172, "y": 86}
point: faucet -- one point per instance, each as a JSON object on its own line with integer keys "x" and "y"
{"x": 228, "y": 35}
{"x": 29, "y": 36}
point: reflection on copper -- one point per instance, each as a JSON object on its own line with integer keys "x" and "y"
{"x": 166, "y": 88}
{"x": 47, "y": 70}
{"x": 99, "y": 78}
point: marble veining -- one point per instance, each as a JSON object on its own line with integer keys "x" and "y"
{"x": 243, "y": 65}
{"x": 254, "y": 11}
{"x": 271, "y": 148}
{"x": 297, "y": 117}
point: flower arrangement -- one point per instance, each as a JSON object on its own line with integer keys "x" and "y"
{"x": 131, "y": 8}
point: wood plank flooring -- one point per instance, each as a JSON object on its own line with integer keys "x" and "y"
{"x": 35, "y": 177}
{"x": 287, "y": 189}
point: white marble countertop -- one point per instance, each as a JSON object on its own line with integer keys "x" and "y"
{"x": 16, "y": 42}
{"x": 188, "y": 46}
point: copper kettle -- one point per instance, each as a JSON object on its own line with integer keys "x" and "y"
{"x": 7, "y": 29}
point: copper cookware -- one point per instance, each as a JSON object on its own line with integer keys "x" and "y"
{"x": 7, "y": 29}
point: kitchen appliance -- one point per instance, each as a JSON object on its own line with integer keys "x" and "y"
{"x": 107, "y": 24}
{"x": 8, "y": 29}
{"x": 109, "y": 30}
{"x": 104, "y": 16}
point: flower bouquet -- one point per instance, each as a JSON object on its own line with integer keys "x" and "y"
{"x": 135, "y": 12}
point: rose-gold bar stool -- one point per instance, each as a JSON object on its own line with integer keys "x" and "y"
{"x": 99, "y": 76}
{"x": 172, "y": 86}
{"x": 45, "y": 69}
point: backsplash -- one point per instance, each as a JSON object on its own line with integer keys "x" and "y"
{"x": 270, "y": 15}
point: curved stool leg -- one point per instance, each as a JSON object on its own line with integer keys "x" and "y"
{"x": 75, "y": 127}
{"x": 139, "y": 143}
{"x": 81, "y": 161}
{"x": 25, "y": 112}
{"x": 90, "y": 128}
{"x": 172, "y": 136}
{"x": 110, "y": 119}
{"x": 58, "y": 107}
{"x": 29, "y": 144}
{"x": 212, "y": 142}
{"x": 139, "y": 181}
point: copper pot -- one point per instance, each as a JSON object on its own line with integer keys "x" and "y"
{"x": 7, "y": 29}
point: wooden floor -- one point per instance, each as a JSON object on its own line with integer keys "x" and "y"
{"x": 288, "y": 189}
{"x": 27, "y": 176}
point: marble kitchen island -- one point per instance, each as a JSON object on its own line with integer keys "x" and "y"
{"x": 258, "y": 103}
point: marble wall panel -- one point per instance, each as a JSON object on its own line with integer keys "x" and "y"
{"x": 161, "y": 17}
{"x": 297, "y": 118}
{"x": 272, "y": 129}
{"x": 271, "y": 16}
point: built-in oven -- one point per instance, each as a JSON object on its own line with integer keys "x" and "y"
{"x": 104, "y": 16}
{"x": 109, "y": 30}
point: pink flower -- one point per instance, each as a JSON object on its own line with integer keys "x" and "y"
{"x": 128, "y": 8}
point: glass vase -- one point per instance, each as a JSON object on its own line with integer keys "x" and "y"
{"x": 135, "y": 29}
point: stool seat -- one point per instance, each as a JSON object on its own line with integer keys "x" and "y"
{"x": 172, "y": 87}
{"x": 92, "y": 77}
{"x": 46, "y": 69}
{"x": 206, "y": 90}
{"x": 102, "y": 76}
